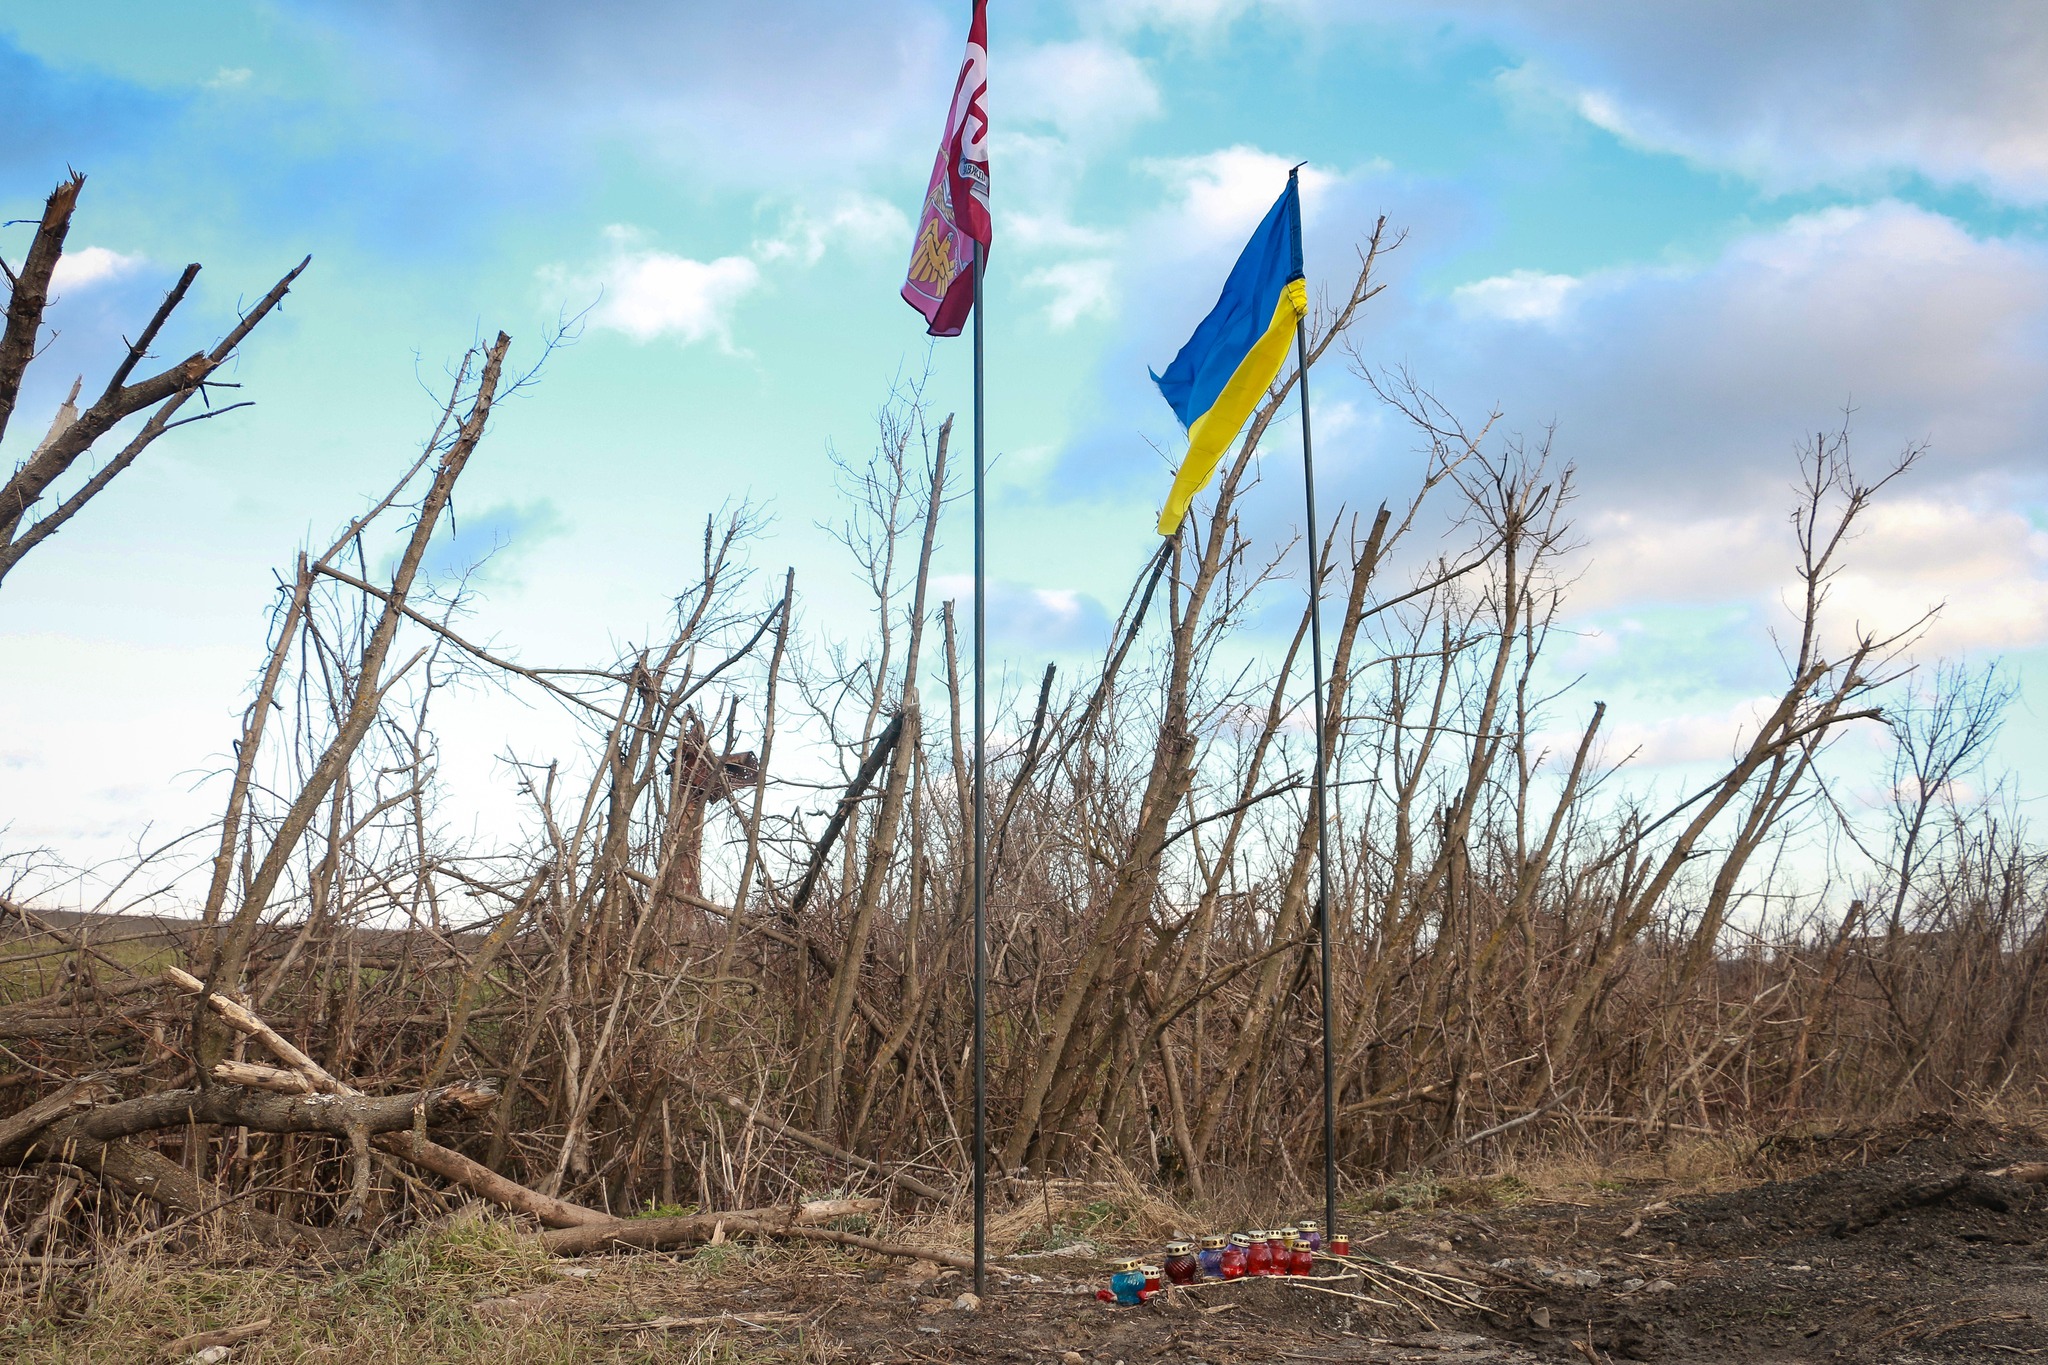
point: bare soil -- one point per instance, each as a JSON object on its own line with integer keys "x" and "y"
{"x": 1884, "y": 1244}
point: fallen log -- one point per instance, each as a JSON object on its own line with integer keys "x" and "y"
{"x": 473, "y": 1176}
{"x": 486, "y": 1183}
{"x": 654, "y": 1234}
{"x": 20, "y": 1127}
{"x": 259, "y": 1077}
{"x": 50, "y": 1129}
{"x": 243, "y": 1020}
{"x": 235, "y": 1107}
{"x": 51, "y": 1028}
{"x": 170, "y": 1186}
{"x": 825, "y": 1210}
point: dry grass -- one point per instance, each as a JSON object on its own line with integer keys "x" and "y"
{"x": 416, "y": 1302}
{"x": 1113, "y": 1208}
{"x": 1570, "y": 1173}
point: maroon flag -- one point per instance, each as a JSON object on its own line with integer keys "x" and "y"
{"x": 940, "y": 283}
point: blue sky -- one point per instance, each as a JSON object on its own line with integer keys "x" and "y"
{"x": 1682, "y": 235}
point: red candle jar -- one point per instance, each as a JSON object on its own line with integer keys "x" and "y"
{"x": 1276, "y": 1242}
{"x": 1340, "y": 1244}
{"x": 1259, "y": 1259}
{"x": 1232, "y": 1263}
{"x": 1152, "y": 1280}
{"x": 1301, "y": 1260}
{"x": 1181, "y": 1265}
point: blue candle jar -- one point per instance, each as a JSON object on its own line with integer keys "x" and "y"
{"x": 1312, "y": 1233}
{"x": 1128, "y": 1282}
{"x": 1211, "y": 1258}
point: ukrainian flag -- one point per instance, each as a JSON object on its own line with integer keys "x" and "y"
{"x": 1234, "y": 356}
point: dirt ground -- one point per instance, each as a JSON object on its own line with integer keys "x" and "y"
{"x": 1890, "y": 1244}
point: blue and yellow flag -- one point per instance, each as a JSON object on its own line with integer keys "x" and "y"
{"x": 1234, "y": 356}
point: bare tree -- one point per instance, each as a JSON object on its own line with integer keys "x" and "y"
{"x": 25, "y": 519}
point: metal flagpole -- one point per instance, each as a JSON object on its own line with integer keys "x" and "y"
{"x": 1322, "y": 792}
{"x": 980, "y": 828}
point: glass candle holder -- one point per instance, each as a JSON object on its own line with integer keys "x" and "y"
{"x": 1258, "y": 1259}
{"x": 1210, "y": 1258}
{"x": 1340, "y": 1244}
{"x": 1301, "y": 1261}
{"x": 1312, "y": 1233}
{"x": 1127, "y": 1282}
{"x": 1181, "y": 1265}
{"x": 1235, "y": 1252}
{"x": 1153, "y": 1278}
{"x": 1276, "y": 1242}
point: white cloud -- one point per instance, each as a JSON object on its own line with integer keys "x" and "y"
{"x": 1983, "y": 567}
{"x": 649, "y": 294}
{"x": 1634, "y": 555}
{"x": 1020, "y": 614}
{"x": 1057, "y": 109}
{"x": 122, "y": 732}
{"x": 1087, "y": 90}
{"x": 1986, "y": 567}
{"x": 1520, "y": 296}
{"x": 91, "y": 265}
{"x": 1824, "y": 92}
{"x": 1689, "y": 385}
{"x": 1184, "y": 12}
{"x": 757, "y": 95}
{"x": 1676, "y": 740}
{"x": 1051, "y": 232}
{"x": 1223, "y": 194}
{"x": 1201, "y": 17}
{"x": 229, "y": 78}
{"x": 1079, "y": 289}
{"x": 1681, "y": 392}
{"x": 1334, "y": 418}
{"x": 856, "y": 221}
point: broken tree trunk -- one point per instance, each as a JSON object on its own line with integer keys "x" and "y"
{"x": 648, "y": 1234}
{"x": 402, "y": 1140}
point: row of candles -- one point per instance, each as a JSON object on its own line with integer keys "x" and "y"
{"x": 1280, "y": 1251}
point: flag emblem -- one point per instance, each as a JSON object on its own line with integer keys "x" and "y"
{"x": 1236, "y": 352}
{"x": 932, "y": 264}
{"x": 940, "y": 282}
